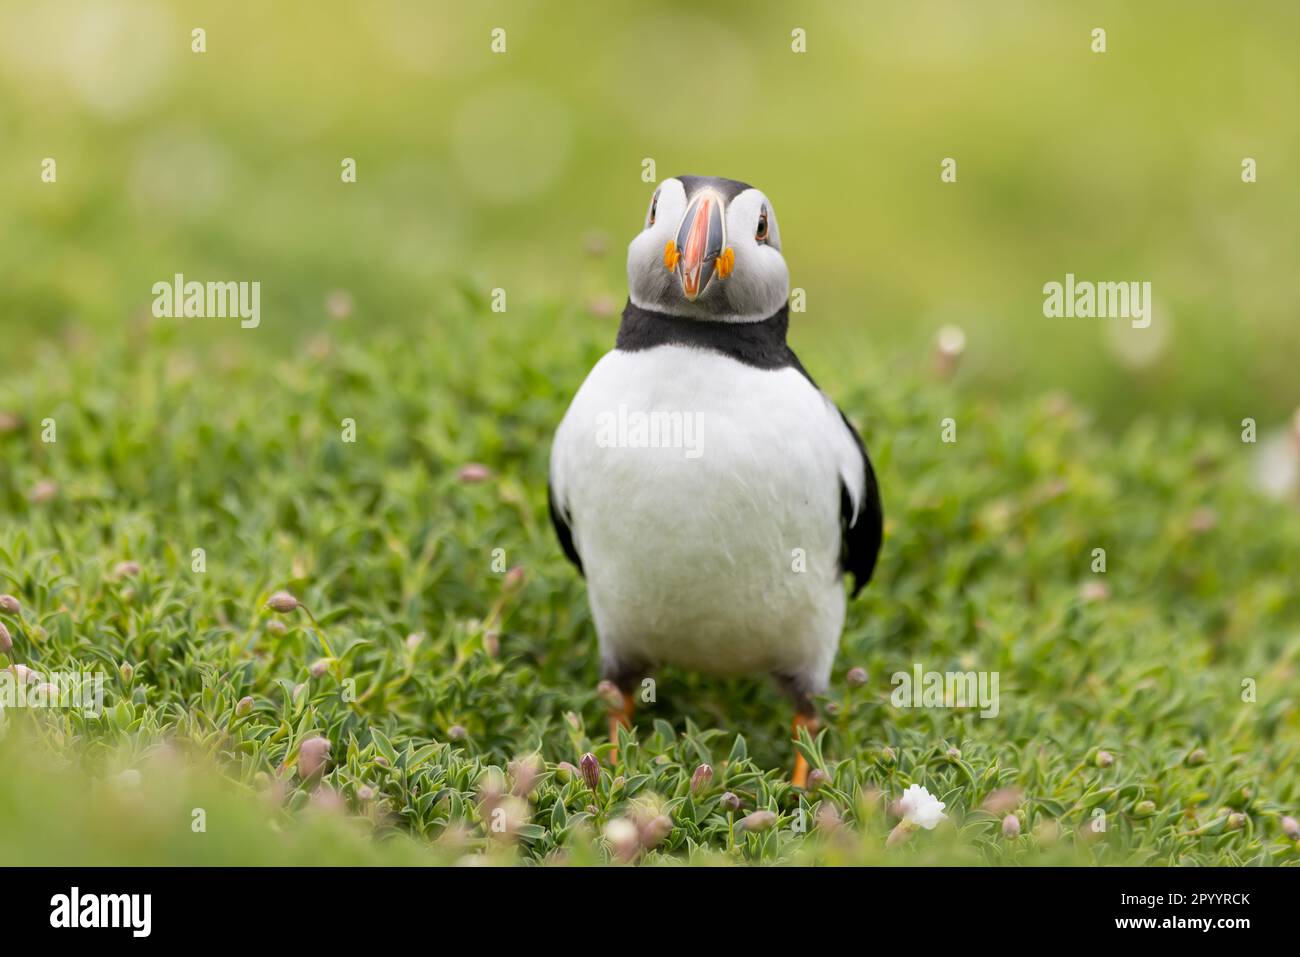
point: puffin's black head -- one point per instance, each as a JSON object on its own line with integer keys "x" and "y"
{"x": 710, "y": 249}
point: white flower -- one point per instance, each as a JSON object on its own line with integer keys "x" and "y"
{"x": 920, "y": 808}
{"x": 620, "y": 830}
{"x": 623, "y": 837}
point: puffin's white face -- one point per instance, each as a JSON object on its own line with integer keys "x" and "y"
{"x": 709, "y": 249}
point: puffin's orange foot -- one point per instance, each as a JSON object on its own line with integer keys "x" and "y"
{"x": 621, "y": 708}
{"x": 800, "y": 776}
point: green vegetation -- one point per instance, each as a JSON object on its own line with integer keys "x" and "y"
{"x": 523, "y": 171}
{"x": 987, "y": 563}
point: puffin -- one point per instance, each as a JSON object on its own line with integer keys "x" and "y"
{"x": 712, "y": 495}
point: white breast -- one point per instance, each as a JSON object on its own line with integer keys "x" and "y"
{"x": 704, "y": 499}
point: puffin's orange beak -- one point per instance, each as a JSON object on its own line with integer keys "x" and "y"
{"x": 700, "y": 251}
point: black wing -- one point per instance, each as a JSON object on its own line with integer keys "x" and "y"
{"x": 562, "y": 530}
{"x": 860, "y": 540}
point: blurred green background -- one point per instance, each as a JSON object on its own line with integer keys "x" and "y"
{"x": 479, "y": 170}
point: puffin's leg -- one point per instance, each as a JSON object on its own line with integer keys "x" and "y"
{"x": 616, "y": 690}
{"x": 800, "y": 776}
{"x": 621, "y": 717}
{"x": 805, "y": 716}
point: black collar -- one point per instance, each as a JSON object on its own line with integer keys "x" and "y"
{"x": 759, "y": 344}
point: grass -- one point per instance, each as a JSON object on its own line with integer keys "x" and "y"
{"x": 440, "y": 682}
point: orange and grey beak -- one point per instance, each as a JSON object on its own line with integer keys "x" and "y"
{"x": 700, "y": 251}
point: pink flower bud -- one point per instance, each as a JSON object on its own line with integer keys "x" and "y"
{"x": 473, "y": 472}
{"x": 609, "y": 695}
{"x": 457, "y": 732}
{"x": 6, "y": 642}
{"x": 701, "y": 779}
{"x": 9, "y": 605}
{"x": 590, "y": 769}
{"x": 1011, "y": 826}
{"x": 1094, "y": 590}
{"x": 1104, "y": 759}
{"x": 244, "y": 706}
{"x": 313, "y": 755}
{"x": 127, "y": 569}
{"x": 818, "y": 779}
{"x": 319, "y": 667}
{"x": 827, "y": 819}
{"x": 856, "y": 677}
{"x": 282, "y": 602}
{"x": 729, "y": 802}
{"x": 1290, "y": 827}
{"x": 655, "y": 830}
{"x": 515, "y": 577}
{"x": 43, "y": 491}
{"x": 524, "y": 773}
{"x": 758, "y": 821}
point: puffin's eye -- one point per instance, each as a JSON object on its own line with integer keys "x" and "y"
{"x": 654, "y": 208}
{"x": 761, "y": 233}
